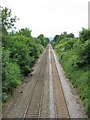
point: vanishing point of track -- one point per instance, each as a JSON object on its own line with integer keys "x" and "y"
{"x": 34, "y": 108}
{"x": 43, "y": 95}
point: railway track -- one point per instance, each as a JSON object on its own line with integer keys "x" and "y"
{"x": 33, "y": 108}
{"x": 36, "y": 106}
{"x": 60, "y": 104}
{"x": 44, "y": 96}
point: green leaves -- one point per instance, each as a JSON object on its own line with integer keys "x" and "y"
{"x": 24, "y": 51}
{"x": 25, "y": 32}
{"x": 84, "y": 35}
{"x": 43, "y": 41}
{"x": 19, "y": 53}
{"x": 7, "y": 20}
{"x": 74, "y": 55}
{"x": 11, "y": 79}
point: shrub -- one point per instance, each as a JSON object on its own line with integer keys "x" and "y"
{"x": 11, "y": 75}
{"x": 74, "y": 55}
{"x": 5, "y": 61}
{"x": 83, "y": 53}
{"x": 23, "y": 51}
{"x": 11, "y": 80}
{"x": 20, "y": 51}
{"x": 84, "y": 35}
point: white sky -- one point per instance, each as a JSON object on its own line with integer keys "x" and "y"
{"x": 49, "y": 17}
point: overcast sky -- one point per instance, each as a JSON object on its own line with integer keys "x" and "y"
{"x": 49, "y": 17}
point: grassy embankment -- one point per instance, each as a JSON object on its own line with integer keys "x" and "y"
{"x": 74, "y": 55}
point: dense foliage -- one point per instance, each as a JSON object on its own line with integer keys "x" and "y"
{"x": 19, "y": 53}
{"x": 74, "y": 55}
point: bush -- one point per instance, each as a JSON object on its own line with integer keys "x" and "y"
{"x": 84, "y": 35}
{"x": 11, "y": 75}
{"x": 23, "y": 51}
{"x": 5, "y": 61}
{"x": 74, "y": 55}
{"x": 20, "y": 52}
{"x": 11, "y": 80}
{"x": 83, "y": 53}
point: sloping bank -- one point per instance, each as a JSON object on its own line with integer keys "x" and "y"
{"x": 73, "y": 54}
{"x": 19, "y": 54}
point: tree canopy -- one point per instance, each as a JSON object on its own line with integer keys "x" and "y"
{"x": 7, "y": 20}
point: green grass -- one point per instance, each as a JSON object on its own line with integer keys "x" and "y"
{"x": 69, "y": 57}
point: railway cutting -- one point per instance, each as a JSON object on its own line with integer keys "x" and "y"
{"x": 43, "y": 95}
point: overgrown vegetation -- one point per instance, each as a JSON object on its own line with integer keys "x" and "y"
{"x": 74, "y": 55}
{"x": 19, "y": 53}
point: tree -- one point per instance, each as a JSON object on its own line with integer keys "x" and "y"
{"x": 64, "y": 33}
{"x": 84, "y": 35}
{"x": 56, "y": 38}
{"x": 7, "y": 20}
{"x": 43, "y": 40}
{"x": 71, "y": 35}
{"x": 25, "y": 32}
{"x": 41, "y": 36}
